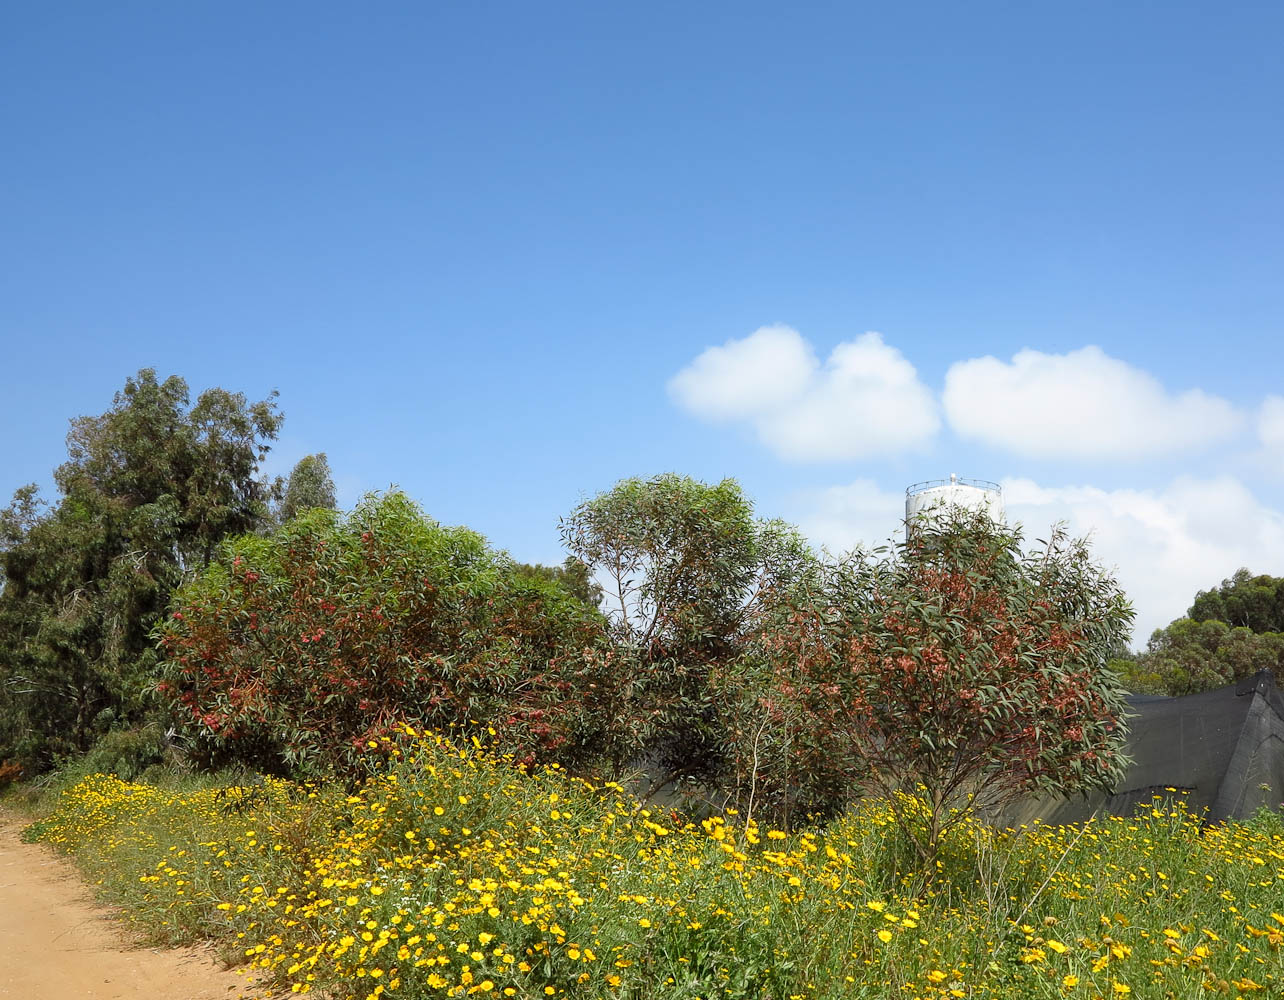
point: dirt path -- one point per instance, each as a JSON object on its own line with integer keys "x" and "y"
{"x": 56, "y": 944}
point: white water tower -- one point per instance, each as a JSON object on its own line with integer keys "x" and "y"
{"x": 935, "y": 495}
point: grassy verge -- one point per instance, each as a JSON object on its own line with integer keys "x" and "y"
{"x": 452, "y": 875}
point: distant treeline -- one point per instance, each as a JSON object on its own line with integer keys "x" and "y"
{"x": 1230, "y": 632}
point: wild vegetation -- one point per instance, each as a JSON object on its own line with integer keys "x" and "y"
{"x": 454, "y": 873}
{"x": 689, "y": 576}
{"x": 1230, "y": 632}
{"x": 430, "y": 743}
{"x": 291, "y": 650}
{"x": 149, "y": 490}
{"x": 955, "y": 664}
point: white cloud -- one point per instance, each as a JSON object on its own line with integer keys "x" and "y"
{"x": 843, "y": 517}
{"x": 742, "y": 378}
{"x": 1084, "y": 404}
{"x": 1270, "y": 426}
{"x": 1165, "y": 544}
{"x": 866, "y": 400}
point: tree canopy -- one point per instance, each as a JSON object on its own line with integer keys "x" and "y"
{"x": 1188, "y": 656}
{"x": 953, "y": 670}
{"x": 686, "y": 568}
{"x": 149, "y": 489}
{"x": 1243, "y": 601}
{"x": 294, "y": 649}
{"x": 572, "y": 575}
{"x": 309, "y": 486}
{"x": 1230, "y": 632}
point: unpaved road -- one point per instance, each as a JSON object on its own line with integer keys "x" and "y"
{"x": 56, "y": 944}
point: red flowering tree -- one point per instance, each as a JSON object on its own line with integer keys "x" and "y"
{"x": 948, "y": 673}
{"x": 292, "y": 650}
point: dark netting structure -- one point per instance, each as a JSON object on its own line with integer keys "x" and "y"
{"x": 1223, "y": 749}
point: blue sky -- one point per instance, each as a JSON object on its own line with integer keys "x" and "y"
{"x": 484, "y": 250}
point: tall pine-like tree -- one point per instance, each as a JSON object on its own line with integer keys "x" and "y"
{"x": 310, "y": 486}
{"x": 148, "y": 491}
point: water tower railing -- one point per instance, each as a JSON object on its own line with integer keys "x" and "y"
{"x": 931, "y": 484}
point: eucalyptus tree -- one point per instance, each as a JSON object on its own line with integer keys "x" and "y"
{"x": 1188, "y": 656}
{"x": 572, "y": 575}
{"x": 951, "y": 671}
{"x": 685, "y": 568}
{"x": 297, "y": 647}
{"x": 309, "y": 486}
{"x": 149, "y": 489}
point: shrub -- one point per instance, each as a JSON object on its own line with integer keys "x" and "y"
{"x": 126, "y": 753}
{"x": 292, "y": 651}
{"x": 953, "y": 668}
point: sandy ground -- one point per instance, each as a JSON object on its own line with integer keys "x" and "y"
{"x": 56, "y": 944}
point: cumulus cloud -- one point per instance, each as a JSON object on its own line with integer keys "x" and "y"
{"x": 1270, "y": 425}
{"x": 841, "y": 518}
{"x": 1084, "y": 404}
{"x": 865, "y": 400}
{"x": 1165, "y": 544}
{"x": 742, "y": 378}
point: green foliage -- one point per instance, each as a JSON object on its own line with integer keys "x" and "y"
{"x": 679, "y": 556}
{"x": 1231, "y": 632}
{"x": 954, "y": 669}
{"x": 1268, "y": 822}
{"x": 129, "y": 754}
{"x": 572, "y": 575}
{"x": 196, "y": 467}
{"x": 1244, "y": 601}
{"x": 686, "y": 568}
{"x": 310, "y": 485}
{"x": 294, "y": 649}
{"x": 1187, "y": 657}
{"x": 148, "y": 490}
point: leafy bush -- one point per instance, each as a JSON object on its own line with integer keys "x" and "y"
{"x": 126, "y": 753}
{"x": 955, "y": 669}
{"x": 292, "y": 651}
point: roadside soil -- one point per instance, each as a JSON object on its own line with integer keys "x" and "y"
{"x": 56, "y": 943}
